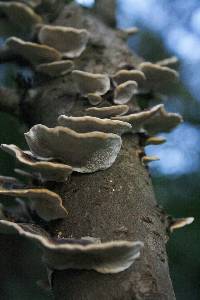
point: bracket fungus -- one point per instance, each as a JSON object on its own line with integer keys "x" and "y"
{"x": 32, "y": 52}
{"x": 47, "y": 204}
{"x": 129, "y": 75}
{"x": 158, "y": 78}
{"x": 168, "y": 61}
{"x": 71, "y": 42}
{"x": 154, "y": 120}
{"x": 89, "y": 124}
{"x": 19, "y": 14}
{"x": 163, "y": 121}
{"x": 46, "y": 170}
{"x": 124, "y": 92}
{"x": 138, "y": 120}
{"x": 94, "y": 99}
{"x": 56, "y": 68}
{"x": 107, "y": 111}
{"x": 180, "y": 223}
{"x": 125, "y": 33}
{"x": 107, "y": 257}
{"x": 85, "y": 152}
{"x": 155, "y": 140}
{"x": 89, "y": 83}
{"x": 147, "y": 159}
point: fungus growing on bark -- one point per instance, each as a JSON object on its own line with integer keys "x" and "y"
{"x": 138, "y": 120}
{"x": 124, "y": 92}
{"x": 94, "y": 99}
{"x": 47, "y": 204}
{"x": 85, "y": 152}
{"x": 158, "y": 78}
{"x": 71, "y": 42}
{"x": 147, "y": 159}
{"x": 125, "y": 33}
{"x": 89, "y": 83}
{"x": 108, "y": 111}
{"x": 107, "y": 257}
{"x": 162, "y": 121}
{"x": 155, "y": 140}
{"x": 32, "y": 52}
{"x": 154, "y": 120}
{"x": 89, "y": 124}
{"x": 19, "y": 14}
{"x": 111, "y": 208}
{"x": 56, "y": 68}
{"x": 129, "y": 75}
{"x": 46, "y": 170}
{"x": 168, "y": 61}
{"x": 179, "y": 223}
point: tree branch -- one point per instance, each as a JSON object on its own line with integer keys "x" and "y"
{"x": 114, "y": 204}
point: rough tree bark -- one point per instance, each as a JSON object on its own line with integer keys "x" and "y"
{"x": 118, "y": 203}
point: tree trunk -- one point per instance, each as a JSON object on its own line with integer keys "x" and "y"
{"x": 115, "y": 204}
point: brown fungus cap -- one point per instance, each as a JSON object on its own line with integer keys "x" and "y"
{"x": 47, "y": 204}
{"x": 180, "y": 223}
{"x": 107, "y": 111}
{"x": 107, "y": 257}
{"x": 56, "y": 68}
{"x": 85, "y": 152}
{"x": 158, "y": 78}
{"x": 138, "y": 120}
{"x": 89, "y": 83}
{"x": 148, "y": 159}
{"x": 94, "y": 99}
{"x": 127, "y": 75}
{"x": 89, "y": 124}
{"x": 19, "y": 13}
{"x": 173, "y": 60}
{"x": 49, "y": 171}
{"x": 163, "y": 121}
{"x": 71, "y": 42}
{"x": 124, "y": 92}
{"x": 155, "y": 140}
{"x": 32, "y": 52}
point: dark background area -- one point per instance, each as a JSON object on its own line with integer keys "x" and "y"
{"x": 168, "y": 27}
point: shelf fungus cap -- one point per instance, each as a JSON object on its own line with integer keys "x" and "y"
{"x": 47, "y": 170}
{"x": 155, "y": 140}
{"x": 90, "y": 124}
{"x": 71, "y": 42}
{"x": 107, "y": 111}
{"x": 94, "y": 99}
{"x": 56, "y": 68}
{"x": 148, "y": 159}
{"x": 158, "y": 78}
{"x": 129, "y": 75}
{"x": 108, "y": 257}
{"x": 180, "y": 223}
{"x": 47, "y": 204}
{"x": 89, "y": 83}
{"x": 163, "y": 121}
{"x": 168, "y": 61}
{"x": 85, "y": 152}
{"x": 124, "y": 92}
{"x": 19, "y": 14}
{"x": 138, "y": 120}
{"x": 32, "y": 52}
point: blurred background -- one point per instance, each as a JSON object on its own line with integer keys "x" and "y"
{"x": 167, "y": 28}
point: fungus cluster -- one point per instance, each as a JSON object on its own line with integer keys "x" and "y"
{"x": 85, "y": 144}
